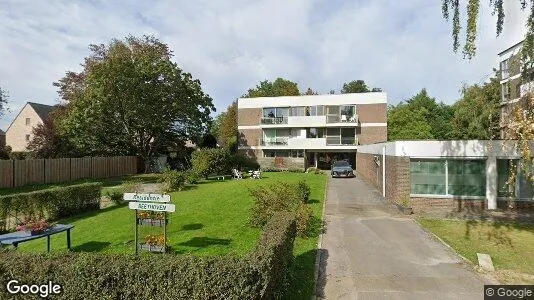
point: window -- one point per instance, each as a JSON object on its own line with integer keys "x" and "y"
{"x": 467, "y": 177}
{"x": 269, "y": 112}
{"x": 27, "y": 121}
{"x": 315, "y": 133}
{"x": 27, "y": 137}
{"x": 298, "y": 111}
{"x": 297, "y": 153}
{"x": 464, "y": 177}
{"x": 504, "y": 69}
{"x": 428, "y": 177}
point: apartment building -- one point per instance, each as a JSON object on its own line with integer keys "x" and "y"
{"x": 514, "y": 85}
{"x": 315, "y": 130}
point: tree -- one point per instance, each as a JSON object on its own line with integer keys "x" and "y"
{"x": 280, "y": 87}
{"x": 131, "y": 99}
{"x": 228, "y": 128}
{"x": 208, "y": 141}
{"x": 477, "y": 113}
{"x": 47, "y": 142}
{"x": 309, "y": 91}
{"x": 205, "y": 162}
{"x": 473, "y": 9}
{"x": 216, "y": 124}
{"x": 406, "y": 123}
{"x": 3, "y": 101}
{"x": 357, "y": 86}
{"x": 438, "y": 115}
{"x": 332, "y": 92}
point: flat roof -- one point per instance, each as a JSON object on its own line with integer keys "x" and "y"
{"x": 310, "y": 100}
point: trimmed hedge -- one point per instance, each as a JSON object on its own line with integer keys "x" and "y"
{"x": 260, "y": 275}
{"x": 50, "y": 203}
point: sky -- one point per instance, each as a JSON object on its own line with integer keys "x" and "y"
{"x": 230, "y": 46}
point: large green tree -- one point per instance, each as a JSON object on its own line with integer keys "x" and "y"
{"x": 228, "y": 128}
{"x": 452, "y": 7}
{"x": 277, "y": 88}
{"x": 406, "y": 123}
{"x": 357, "y": 86}
{"x": 477, "y": 113}
{"x": 420, "y": 117}
{"x": 131, "y": 98}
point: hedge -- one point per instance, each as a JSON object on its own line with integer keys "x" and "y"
{"x": 50, "y": 203}
{"x": 260, "y": 275}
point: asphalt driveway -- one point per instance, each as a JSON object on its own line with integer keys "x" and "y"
{"x": 371, "y": 251}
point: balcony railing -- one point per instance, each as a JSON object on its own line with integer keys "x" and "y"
{"x": 277, "y": 141}
{"x": 273, "y": 120}
{"x": 344, "y": 141}
{"x": 341, "y": 119}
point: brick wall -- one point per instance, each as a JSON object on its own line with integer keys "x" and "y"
{"x": 249, "y": 137}
{"x": 372, "y": 113}
{"x": 446, "y": 204}
{"x": 249, "y": 116}
{"x": 372, "y": 135}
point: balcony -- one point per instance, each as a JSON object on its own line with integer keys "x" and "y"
{"x": 341, "y": 141}
{"x": 273, "y": 120}
{"x": 275, "y": 141}
{"x": 335, "y": 118}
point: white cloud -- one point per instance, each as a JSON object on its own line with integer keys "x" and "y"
{"x": 400, "y": 46}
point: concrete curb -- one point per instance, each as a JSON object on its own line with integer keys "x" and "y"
{"x": 319, "y": 245}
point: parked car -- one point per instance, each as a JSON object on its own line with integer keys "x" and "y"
{"x": 341, "y": 168}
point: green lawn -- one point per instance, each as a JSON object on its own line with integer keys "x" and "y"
{"x": 108, "y": 184}
{"x": 211, "y": 218}
{"x": 510, "y": 245}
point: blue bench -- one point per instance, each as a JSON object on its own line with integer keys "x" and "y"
{"x": 17, "y": 237}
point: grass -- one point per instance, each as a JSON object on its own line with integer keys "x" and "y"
{"x": 108, "y": 183}
{"x": 510, "y": 245}
{"x": 211, "y": 218}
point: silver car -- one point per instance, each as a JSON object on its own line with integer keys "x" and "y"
{"x": 341, "y": 168}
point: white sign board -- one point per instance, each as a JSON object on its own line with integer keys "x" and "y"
{"x": 152, "y": 206}
{"x": 146, "y": 197}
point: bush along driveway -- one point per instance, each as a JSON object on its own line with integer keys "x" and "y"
{"x": 371, "y": 251}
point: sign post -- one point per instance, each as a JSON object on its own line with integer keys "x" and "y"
{"x": 154, "y": 203}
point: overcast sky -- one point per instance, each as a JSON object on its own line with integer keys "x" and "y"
{"x": 399, "y": 46}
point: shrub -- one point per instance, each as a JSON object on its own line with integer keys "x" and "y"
{"x": 314, "y": 170}
{"x": 278, "y": 197}
{"x": 132, "y": 186}
{"x": 115, "y": 196}
{"x": 191, "y": 177}
{"x": 242, "y": 162}
{"x": 171, "y": 180}
{"x": 210, "y": 161}
{"x": 304, "y": 191}
{"x": 260, "y": 275}
{"x": 18, "y": 155}
{"x": 50, "y": 203}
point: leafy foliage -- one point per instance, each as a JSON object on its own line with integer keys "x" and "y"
{"x": 281, "y": 197}
{"x": 171, "y": 180}
{"x": 3, "y": 101}
{"x": 50, "y": 203}
{"x": 473, "y": 13}
{"x": 280, "y": 87}
{"x": 131, "y": 98}
{"x": 208, "y": 141}
{"x": 210, "y": 161}
{"x": 477, "y": 113}
{"x": 48, "y": 142}
{"x": 357, "y": 86}
{"x": 263, "y": 274}
{"x": 421, "y": 117}
{"x": 228, "y": 126}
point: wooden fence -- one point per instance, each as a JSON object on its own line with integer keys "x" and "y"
{"x": 15, "y": 173}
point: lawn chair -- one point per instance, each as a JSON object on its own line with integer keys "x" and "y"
{"x": 256, "y": 174}
{"x": 236, "y": 174}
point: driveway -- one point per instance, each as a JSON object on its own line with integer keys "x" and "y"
{"x": 370, "y": 251}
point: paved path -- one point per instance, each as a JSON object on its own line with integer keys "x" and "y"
{"x": 370, "y": 251}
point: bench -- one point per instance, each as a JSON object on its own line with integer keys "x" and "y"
{"x": 17, "y": 237}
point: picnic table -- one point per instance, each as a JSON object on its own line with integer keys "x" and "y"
{"x": 17, "y": 237}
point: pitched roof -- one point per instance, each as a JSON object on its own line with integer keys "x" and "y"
{"x": 42, "y": 110}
